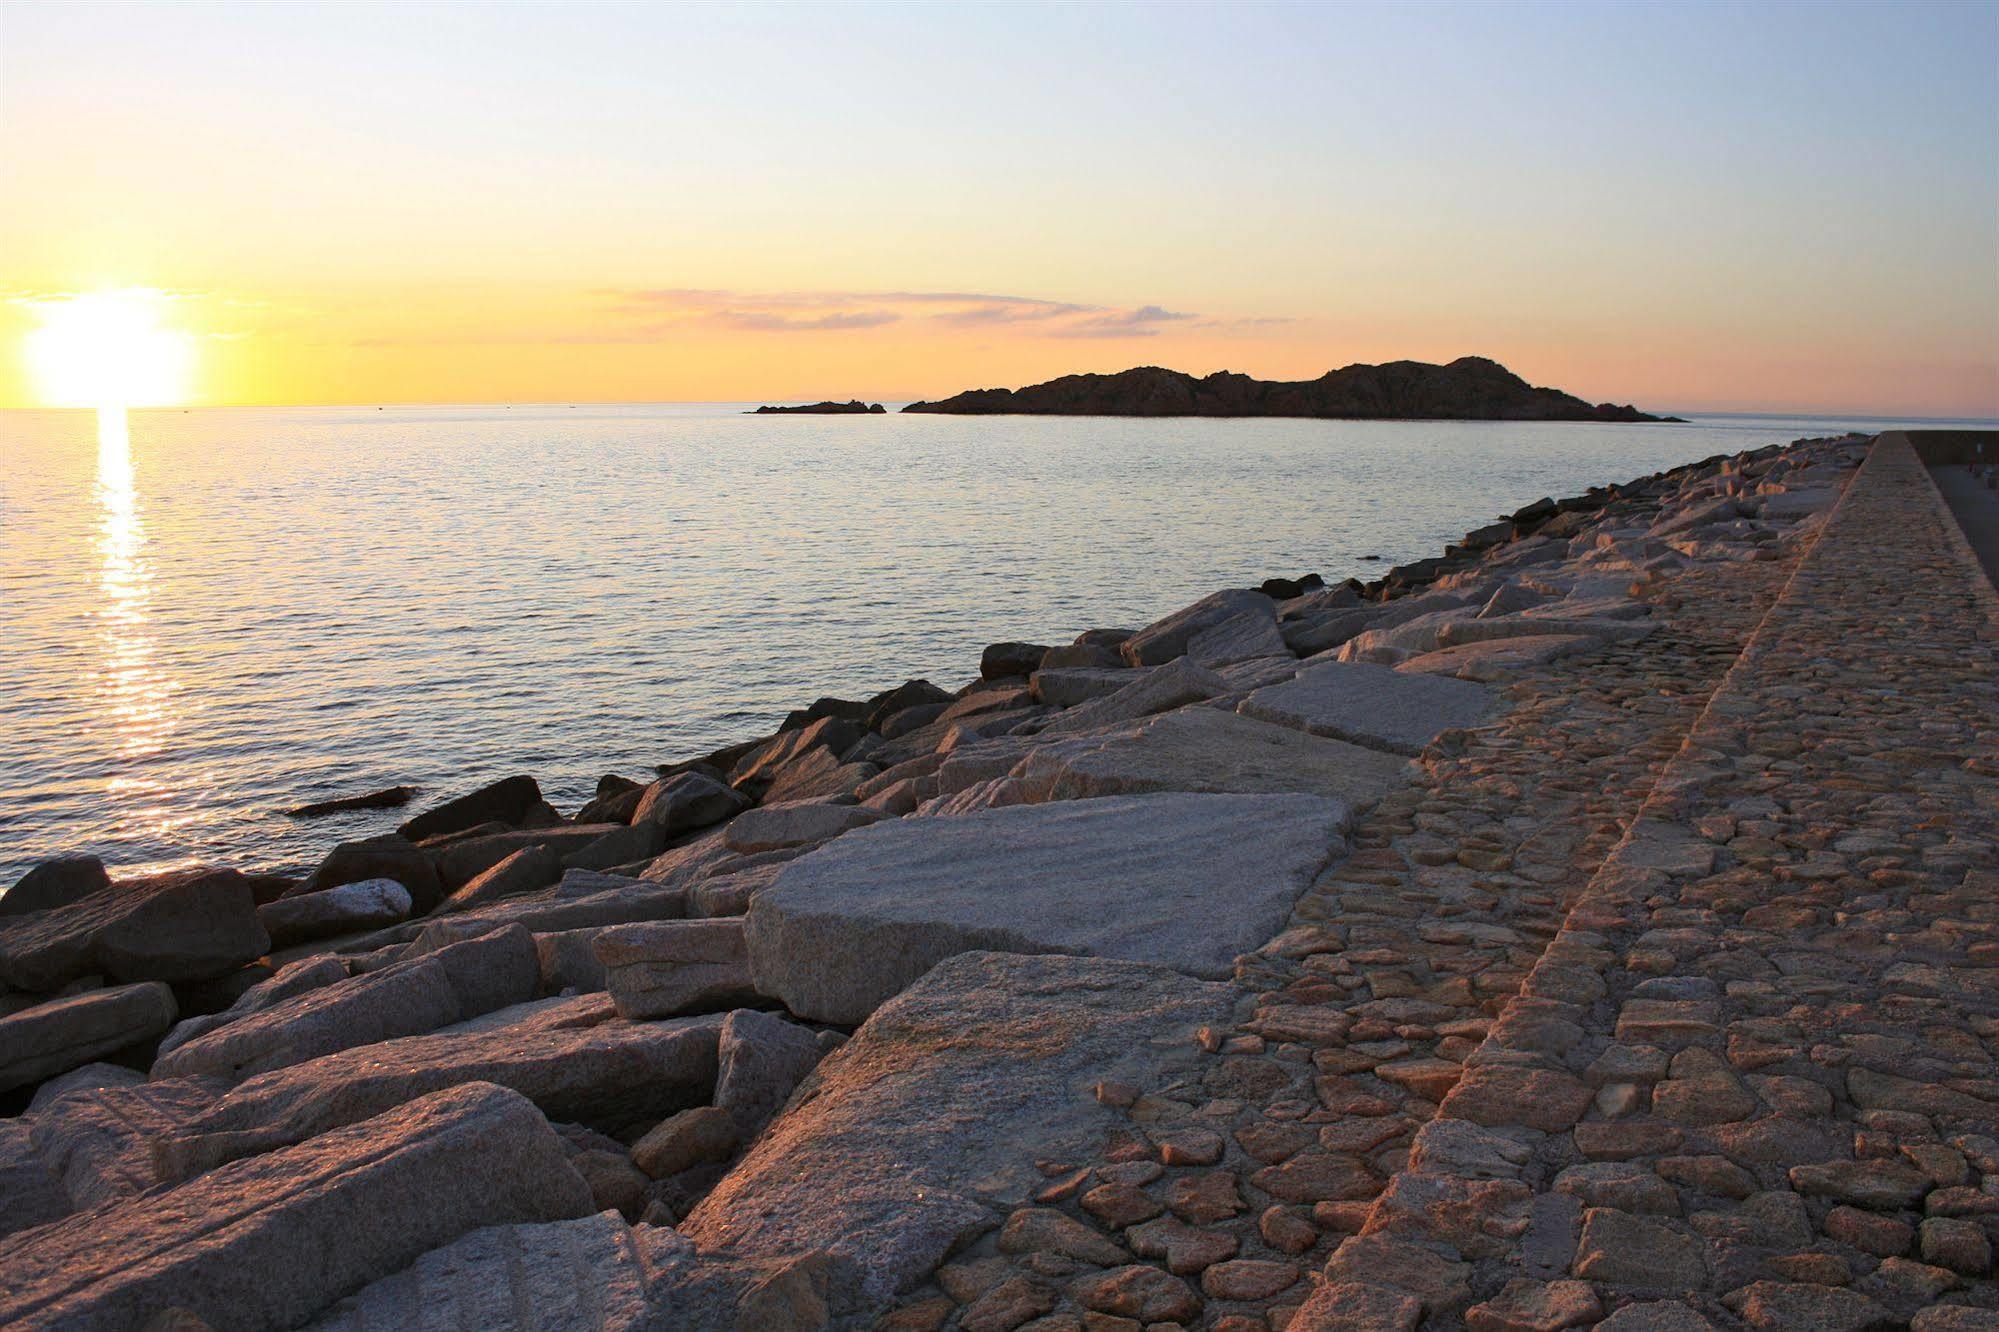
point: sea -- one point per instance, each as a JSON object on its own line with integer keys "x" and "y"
{"x": 208, "y": 616}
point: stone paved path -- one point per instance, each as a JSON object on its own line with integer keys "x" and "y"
{"x": 1753, "y": 1076}
{"x": 1750, "y": 1075}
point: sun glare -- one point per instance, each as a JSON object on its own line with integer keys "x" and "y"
{"x": 109, "y": 349}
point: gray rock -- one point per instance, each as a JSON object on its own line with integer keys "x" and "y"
{"x": 1322, "y": 631}
{"x": 1600, "y": 628}
{"x": 100, "y": 1140}
{"x": 1068, "y": 686}
{"x": 352, "y": 906}
{"x": 1171, "y": 686}
{"x": 1001, "y": 660}
{"x": 818, "y": 775}
{"x": 1189, "y": 881}
{"x": 89, "y": 1077}
{"x": 379, "y": 858}
{"x": 508, "y": 800}
{"x": 619, "y": 846}
{"x": 460, "y": 862}
{"x": 674, "y": 967}
{"x": 62, "y": 1034}
{"x": 407, "y": 998}
{"x": 55, "y": 883}
{"x": 1497, "y": 659}
{"x": 271, "y": 1242}
{"x": 594, "y": 1274}
{"x": 551, "y": 910}
{"x": 31, "y": 1192}
{"x": 1080, "y": 654}
{"x": 572, "y": 1057}
{"x": 1205, "y": 749}
{"x": 568, "y": 960}
{"x": 763, "y": 1058}
{"x": 1239, "y": 638}
{"x": 1163, "y": 640}
{"x": 760, "y": 767}
{"x": 192, "y": 924}
{"x": 773, "y": 827}
{"x": 686, "y": 801}
{"x": 923, "y": 1129}
{"x": 294, "y": 978}
{"x": 1370, "y": 705}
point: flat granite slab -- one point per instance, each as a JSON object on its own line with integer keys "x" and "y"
{"x": 1370, "y": 705}
{"x": 922, "y": 1131}
{"x": 1186, "y": 881}
{"x": 1207, "y": 749}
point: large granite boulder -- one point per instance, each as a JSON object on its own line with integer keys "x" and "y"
{"x": 686, "y": 801}
{"x": 188, "y": 925}
{"x": 31, "y": 1190}
{"x": 406, "y": 998}
{"x": 798, "y": 823}
{"x": 762, "y": 1059}
{"x": 460, "y": 862}
{"x": 572, "y": 1057}
{"x": 350, "y": 907}
{"x": 1370, "y": 705}
{"x": 593, "y": 1274}
{"x": 63, "y": 1034}
{"x": 527, "y": 870}
{"x": 100, "y": 1139}
{"x": 509, "y": 801}
{"x": 1171, "y": 686}
{"x": 1188, "y": 881}
{"x": 55, "y": 883}
{"x": 269, "y": 1243}
{"x": 1206, "y": 749}
{"x": 671, "y": 967}
{"x": 924, "y": 1128}
{"x": 1163, "y": 640}
{"x": 392, "y": 857}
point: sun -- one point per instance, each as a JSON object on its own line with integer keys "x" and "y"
{"x": 109, "y": 349}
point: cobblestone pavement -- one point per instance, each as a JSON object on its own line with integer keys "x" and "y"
{"x": 1751, "y": 1082}
{"x": 1230, "y": 1193}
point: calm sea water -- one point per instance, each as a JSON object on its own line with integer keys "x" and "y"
{"x": 213, "y": 615}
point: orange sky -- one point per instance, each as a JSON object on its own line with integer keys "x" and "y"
{"x": 365, "y": 204}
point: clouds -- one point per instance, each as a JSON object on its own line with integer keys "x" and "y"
{"x": 840, "y": 311}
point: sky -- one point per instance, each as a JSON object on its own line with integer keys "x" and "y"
{"x": 1689, "y": 207}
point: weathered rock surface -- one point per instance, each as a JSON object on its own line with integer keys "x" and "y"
{"x": 1206, "y": 749}
{"x": 1171, "y": 686}
{"x": 100, "y": 1139}
{"x": 762, "y": 1059}
{"x": 672, "y": 967}
{"x": 1163, "y": 640}
{"x": 1188, "y": 881}
{"x": 774, "y": 827}
{"x": 924, "y": 1127}
{"x": 55, "y": 883}
{"x": 353, "y": 906}
{"x": 271, "y": 1242}
{"x": 572, "y": 1057}
{"x": 187, "y": 925}
{"x": 686, "y": 801}
{"x": 1370, "y": 705}
{"x": 407, "y": 998}
{"x": 506, "y": 801}
{"x": 527, "y": 870}
{"x": 594, "y": 1274}
{"x": 62, "y": 1034}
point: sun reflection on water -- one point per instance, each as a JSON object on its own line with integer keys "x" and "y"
{"x": 137, "y": 697}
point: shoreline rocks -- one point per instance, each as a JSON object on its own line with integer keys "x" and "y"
{"x": 1217, "y": 971}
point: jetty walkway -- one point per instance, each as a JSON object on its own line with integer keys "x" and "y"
{"x": 1669, "y": 1001}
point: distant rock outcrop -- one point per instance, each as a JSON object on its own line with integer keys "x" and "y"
{"x": 1471, "y": 388}
{"x": 822, "y": 409}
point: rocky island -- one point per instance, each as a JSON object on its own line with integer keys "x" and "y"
{"x": 854, "y": 408}
{"x": 1591, "y": 925}
{"x": 1471, "y": 388}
